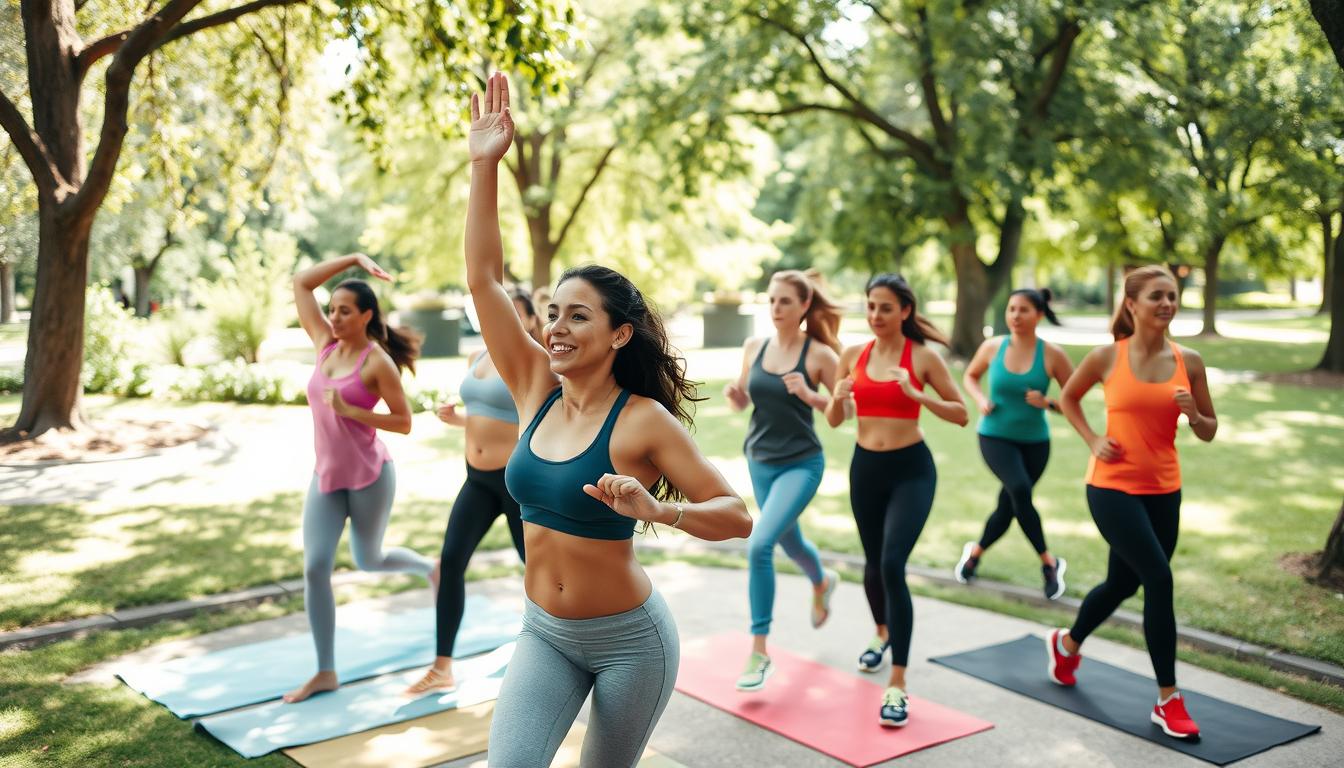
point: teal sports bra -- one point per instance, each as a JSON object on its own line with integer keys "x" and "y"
{"x": 487, "y": 397}
{"x": 550, "y": 493}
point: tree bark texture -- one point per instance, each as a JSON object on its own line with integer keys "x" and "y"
{"x": 6, "y": 292}
{"x": 1328, "y": 238}
{"x": 1332, "y": 557}
{"x": 1333, "y": 359}
{"x": 1211, "y": 254}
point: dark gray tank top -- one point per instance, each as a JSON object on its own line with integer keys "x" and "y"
{"x": 781, "y": 430}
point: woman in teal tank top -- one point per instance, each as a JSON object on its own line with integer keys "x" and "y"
{"x": 605, "y": 401}
{"x": 1014, "y": 436}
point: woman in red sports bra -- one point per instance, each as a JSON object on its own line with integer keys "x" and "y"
{"x": 1134, "y": 478}
{"x": 892, "y": 477}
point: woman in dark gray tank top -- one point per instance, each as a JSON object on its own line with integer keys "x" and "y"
{"x": 780, "y": 378}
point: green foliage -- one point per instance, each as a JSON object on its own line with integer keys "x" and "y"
{"x": 176, "y": 330}
{"x": 107, "y": 342}
{"x": 248, "y": 299}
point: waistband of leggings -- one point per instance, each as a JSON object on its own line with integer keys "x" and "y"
{"x": 653, "y": 608}
{"x": 485, "y": 474}
{"x": 913, "y": 450}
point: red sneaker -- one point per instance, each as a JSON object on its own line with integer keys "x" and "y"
{"x": 1061, "y": 667}
{"x": 1173, "y": 718}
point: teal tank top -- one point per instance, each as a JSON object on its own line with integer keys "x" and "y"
{"x": 781, "y": 430}
{"x": 487, "y": 397}
{"x": 550, "y": 493}
{"x": 1013, "y": 418}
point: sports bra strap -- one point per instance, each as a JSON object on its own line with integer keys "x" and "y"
{"x": 326, "y": 351}
{"x": 615, "y": 411}
{"x": 364, "y": 355}
{"x": 545, "y": 407}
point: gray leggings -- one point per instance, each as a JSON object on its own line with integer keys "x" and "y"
{"x": 629, "y": 661}
{"x": 324, "y": 517}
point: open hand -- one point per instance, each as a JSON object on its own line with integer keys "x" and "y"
{"x": 491, "y": 122}
{"x": 369, "y": 265}
{"x": 626, "y": 496}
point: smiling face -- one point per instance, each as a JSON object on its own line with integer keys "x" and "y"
{"x": 1021, "y": 315}
{"x": 885, "y": 313}
{"x": 578, "y": 333}
{"x": 786, "y": 305}
{"x": 348, "y": 322}
{"x": 1155, "y": 304}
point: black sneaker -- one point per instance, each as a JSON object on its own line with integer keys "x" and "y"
{"x": 895, "y": 712}
{"x": 871, "y": 658}
{"x": 1054, "y": 578}
{"x": 965, "y": 570}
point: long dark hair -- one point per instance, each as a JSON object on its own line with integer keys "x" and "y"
{"x": 822, "y": 320}
{"x": 916, "y": 326}
{"x": 645, "y": 366}
{"x": 1122, "y": 324}
{"x": 1040, "y": 299}
{"x": 401, "y": 344}
{"x": 525, "y": 298}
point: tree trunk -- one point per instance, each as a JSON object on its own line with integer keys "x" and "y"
{"x": 1333, "y": 359}
{"x": 6, "y": 293}
{"x": 543, "y": 250}
{"x": 51, "y": 385}
{"x": 974, "y": 291}
{"x": 1328, "y": 237}
{"x": 1211, "y": 254}
{"x": 1110, "y": 289}
{"x": 1332, "y": 557}
{"x": 143, "y": 274}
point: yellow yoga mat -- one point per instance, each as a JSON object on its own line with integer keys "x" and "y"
{"x": 435, "y": 739}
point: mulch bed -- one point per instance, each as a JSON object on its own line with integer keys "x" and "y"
{"x": 101, "y": 440}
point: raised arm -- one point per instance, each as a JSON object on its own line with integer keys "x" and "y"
{"x": 948, "y": 406}
{"x": 1091, "y": 370}
{"x": 970, "y": 380}
{"x": 311, "y": 316}
{"x": 520, "y": 360}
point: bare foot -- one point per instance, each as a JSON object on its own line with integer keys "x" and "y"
{"x": 435, "y": 679}
{"x": 320, "y": 683}
{"x": 435, "y": 575}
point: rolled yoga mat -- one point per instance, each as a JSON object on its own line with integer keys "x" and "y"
{"x": 256, "y": 672}
{"x": 1123, "y": 700}
{"x": 262, "y": 729}
{"x": 831, "y": 711}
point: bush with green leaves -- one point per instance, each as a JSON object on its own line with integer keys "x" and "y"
{"x": 250, "y": 297}
{"x": 108, "y": 328}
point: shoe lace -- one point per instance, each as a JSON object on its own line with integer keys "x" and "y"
{"x": 878, "y": 645}
{"x": 893, "y": 697}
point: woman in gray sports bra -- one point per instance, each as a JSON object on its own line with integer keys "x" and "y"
{"x": 783, "y": 451}
{"x": 605, "y": 401}
{"x": 491, "y": 424}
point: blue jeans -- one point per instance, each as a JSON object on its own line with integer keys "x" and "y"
{"x": 782, "y": 493}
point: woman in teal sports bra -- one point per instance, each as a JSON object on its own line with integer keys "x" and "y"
{"x": 491, "y": 424}
{"x": 1014, "y": 436}
{"x": 604, "y": 400}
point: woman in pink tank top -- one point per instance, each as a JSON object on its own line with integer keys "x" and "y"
{"x": 359, "y": 362}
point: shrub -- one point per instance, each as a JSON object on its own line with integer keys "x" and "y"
{"x": 107, "y": 333}
{"x": 251, "y": 295}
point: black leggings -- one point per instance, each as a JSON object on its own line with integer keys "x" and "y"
{"x": 1018, "y": 466}
{"x": 482, "y": 498}
{"x": 891, "y": 493}
{"x": 1142, "y": 533}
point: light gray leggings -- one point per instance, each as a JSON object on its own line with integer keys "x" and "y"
{"x": 324, "y": 517}
{"x": 628, "y": 660}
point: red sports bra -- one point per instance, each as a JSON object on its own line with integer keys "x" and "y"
{"x": 885, "y": 399}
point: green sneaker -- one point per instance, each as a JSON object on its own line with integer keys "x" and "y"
{"x": 895, "y": 712}
{"x": 871, "y": 658}
{"x": 754, "y": 676}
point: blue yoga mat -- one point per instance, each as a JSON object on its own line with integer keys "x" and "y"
{"x": 248, "y": 674}
{"x": 353, "y": 708}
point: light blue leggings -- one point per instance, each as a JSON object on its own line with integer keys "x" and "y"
{"x": 324, "y": 517}
{"x": 628, "y": 660}
{"x": 782, "y": 491}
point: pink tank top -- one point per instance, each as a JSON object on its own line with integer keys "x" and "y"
{"x": 349, "y": 453}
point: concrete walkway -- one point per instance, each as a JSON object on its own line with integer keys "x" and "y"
{"x": 710, "y": 601}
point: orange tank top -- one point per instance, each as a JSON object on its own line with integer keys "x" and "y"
{"x": 1142, "y": 417}
{"x": 885, "y": 399}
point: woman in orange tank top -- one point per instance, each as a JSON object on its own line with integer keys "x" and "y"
{"x": 1134, "y": 478}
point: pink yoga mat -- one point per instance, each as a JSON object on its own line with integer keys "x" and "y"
{"x": 831, "y": 711}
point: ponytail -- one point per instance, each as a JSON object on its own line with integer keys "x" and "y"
{"x": 822, "y": 319}
{"x": 1040, "y": 299}
{"x": 400, "y": 344}
{"x": 1122, "y": 324}
{"x": 916, "y": 326}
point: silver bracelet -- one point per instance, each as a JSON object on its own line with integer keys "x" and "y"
{"x": 681, "y": 510}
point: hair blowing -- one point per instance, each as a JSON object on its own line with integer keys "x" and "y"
{"x": 401, "y": 344}
{"x": 1040, "y": 299}
{"x": 1122, "y": 325}
{"x": 822, "y": 319}
{"x": 646, "y": 365}
{"x": 915, "y": 326}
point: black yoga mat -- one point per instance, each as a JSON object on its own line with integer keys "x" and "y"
{"x": 1122, "y": 699}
